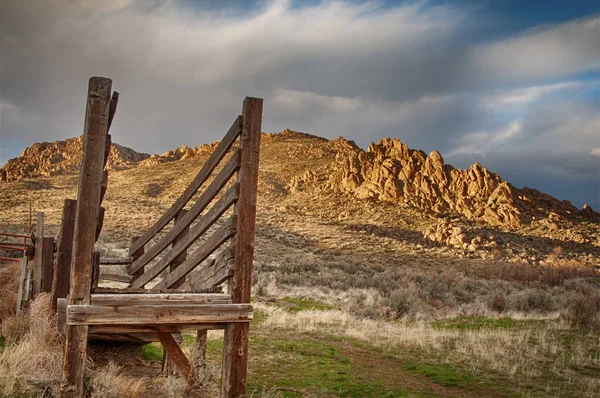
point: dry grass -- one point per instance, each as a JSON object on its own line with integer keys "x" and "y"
{"x": 35, "y": 361}
{"x": 109, "y": 382}
{"x": 9, "y": 286}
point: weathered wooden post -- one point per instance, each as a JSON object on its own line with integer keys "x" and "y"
{"x": 62, "y": 269}
{"x": 235, "y": 347}
{"x": 47, "y": 264}
{"x": 38, "y": 260}
{"x": 88, "y": 200}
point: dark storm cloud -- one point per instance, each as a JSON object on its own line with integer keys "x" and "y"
{"x": 358, "y": 70}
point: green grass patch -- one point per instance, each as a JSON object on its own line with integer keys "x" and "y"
{"x": 443, "y": 374}
{"x": 152, "y": 352}
{"x": 304, "y": 304}
{"x": 478, "y": 322}
{"x": 294, "y": 368}
{"x": 258, "y": 316}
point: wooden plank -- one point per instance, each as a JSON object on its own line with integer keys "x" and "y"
{"x": 112, "y": 290}
{"x": 175, "y": 353}
{"x": 176, "y": 243}
{"x": 207, "y": 248}
{"x": 47, "y": 264}
{"x": 62, "y": 268}
{"x": 204, "y": 200}
{"x": 96, "y": 269}
{"x": 171, "y": 328}
{"x": 61, "y": 312}
{"x": 111, "y": 276}
{"x": 103, "y": 185}
{"x": 88, "y": 198}
{"x": 100, "y": 222}
{"x": 139, "y": 253}
{"x": 38, "y": 255}
{"x": 28, "y": 285}
{"x": 157, "y": 314}
{"x": 112, "y": 110}
{"x": 205, "y": 222}
{"x": 215, "y": 272}
{"x": 115, "y": 260}
{"x": 22, "y": 283}
{"x": 212, "y": 162}
{"x": 160, "y": 299}
{"x": 235, "y": 350}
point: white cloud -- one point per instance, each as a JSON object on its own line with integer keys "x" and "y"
{"x": 595, "y": 152}
{"x": 542, "y": 52}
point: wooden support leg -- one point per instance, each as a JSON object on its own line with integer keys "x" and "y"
{"x": 62, "y": 269}
{"x": 175, "y": 353}
{"x": 74, "y": 364}
{"x": 235, "y": 360}
{"x": 201, "y": 338}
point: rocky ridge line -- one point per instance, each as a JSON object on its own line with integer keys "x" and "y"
{"x": 390, "y": 171}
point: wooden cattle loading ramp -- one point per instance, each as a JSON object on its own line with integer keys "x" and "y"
{"x": 218, "y": 228}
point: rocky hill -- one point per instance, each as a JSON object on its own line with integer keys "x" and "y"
{"x": 52, "y": 158}
{"x": 388, "y": 171}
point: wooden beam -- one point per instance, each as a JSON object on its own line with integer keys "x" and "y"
{"x": 207, "y": 248}
{"x": 111, "y": 276}
{"x": 157, "y": 314}
{"x": 214, "y": 273}
{"x": 115, "y": 260}
{"x": 212, "y": 162}
{"x": 175, "y": 353}
{"x": 178, "y": 242}
{"x": 38, "y": 255}
{"x": 235, "y": 349}
{"x": 22, "y": 283}
{"x": 245, "y": 207}
{"x": 88, "y": 199}
{"x": 205, "y": 222}
{"x": 235, "y": 360}
{"x": 204, "y": 200}
{"x": 96, "y": 269}
{"x": 139, "y": 253}
{"x": 170, "y": 328}
{"x": 114, "y": 100}
{"x": 47, "y": 264}
{"x": 62, "y": 269}
{"x": 100, "y": 222}
{"x": 160, "y": 299}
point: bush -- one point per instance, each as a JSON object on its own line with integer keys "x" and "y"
{"x": 497, "y": 302}
{"x": 583, "y": 310}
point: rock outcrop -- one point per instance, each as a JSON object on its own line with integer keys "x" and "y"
{"x": 391, "y": 172}
{"x": 52, "y": 158}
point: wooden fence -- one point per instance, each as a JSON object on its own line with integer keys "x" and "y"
{"x": 169, "y": 289}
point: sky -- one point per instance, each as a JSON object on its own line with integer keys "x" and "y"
{"x": 514, "y": 85}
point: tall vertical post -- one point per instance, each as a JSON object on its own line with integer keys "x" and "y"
{"x": 62, "y": 268}
{"x": 38, "y": 260}
{"x": 47, "y": 264}
{"x": 235, "y": 347}
{"x": 88, "y": 200}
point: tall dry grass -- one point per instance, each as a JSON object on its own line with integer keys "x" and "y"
{"x": 32, "y": 360}
{"x": 9, "y": 286}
